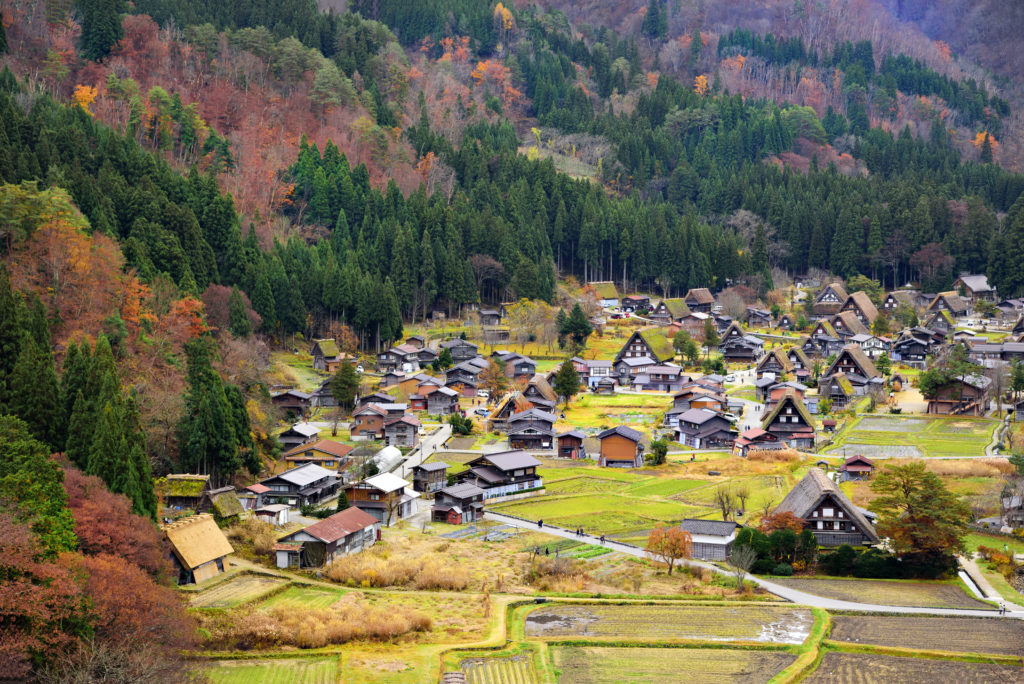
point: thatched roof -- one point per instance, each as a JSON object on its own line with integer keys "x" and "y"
{"x": 801, "y": 355}
{"x": 659, "y": 344}
{"x": 701, "y": 295}
{"x": 184, "y": 484}
{"x": 815, "y": 486}
{"x": 864, "y": 303}
{"x": 838, "y": 289}
{"x": 780, "y": 357}
{"x": 677, "y": 307}
{"x": 827, "y": 329}
{"x": 790, "y": 395}
{"x": 859, "y": 358}
{"x": 605, "y": 289}
{"x": 196, "y": 540}
{"x": 329, "y": 348}
{"x": 847, "y": 320}
{"x": 541, "y": 384}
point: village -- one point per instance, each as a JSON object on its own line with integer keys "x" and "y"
{"x": 677, "y": 416}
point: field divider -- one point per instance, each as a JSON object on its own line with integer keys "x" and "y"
{"x": 923, "y": 653}
{"x": 612, "y": 642}
{"x": 809, "y": 653}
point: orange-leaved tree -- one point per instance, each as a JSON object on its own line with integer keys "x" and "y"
{"x": 782, "y": 520}
{"x": 669, "y": 545}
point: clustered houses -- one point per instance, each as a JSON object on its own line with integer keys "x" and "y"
{"x": 503, "y": 473}
{"x": 858, "y": 370}
{"x": 431, "y": 477}
{"x": 703, "y": 428}
{"x": 386, "y": 497}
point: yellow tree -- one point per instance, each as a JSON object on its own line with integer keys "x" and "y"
{"x": 669, "y": 545}
{"x": 84, "y": 96}
{"x": 700, "y": 84}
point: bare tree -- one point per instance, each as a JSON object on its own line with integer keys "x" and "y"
{"x": 725, "y": 501}
{"x": 742, "y": 493}
{"x": 742, "y": 560}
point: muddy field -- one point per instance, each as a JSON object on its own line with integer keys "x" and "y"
{"x": 597, "y": 665}
{"x": 865, "y": 668}
{"x": 965, "y": 635}
{"x": 889, "y": 593}
{"x": 707, "y": 623}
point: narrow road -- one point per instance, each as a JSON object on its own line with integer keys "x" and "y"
{"x": 794, "y": 595}
{"x": 428, "y": 445}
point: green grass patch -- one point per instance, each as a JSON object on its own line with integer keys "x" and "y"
{"x": 994, "y": 541}
{"x": 275, "y": 671}
{"x": 298, "y": 596}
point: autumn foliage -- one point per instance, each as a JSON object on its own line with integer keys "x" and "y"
{"x": 783, "y": 520}
{"x": 669, "y": 545}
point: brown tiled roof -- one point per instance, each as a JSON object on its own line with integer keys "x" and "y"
{"x": 325, "y": 445}
{"x": 340, "y": 525}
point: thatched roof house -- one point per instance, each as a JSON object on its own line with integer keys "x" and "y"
{"x": 198, "y": 548}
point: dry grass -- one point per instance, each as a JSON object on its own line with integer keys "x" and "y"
{"x": 379, "y": 568}
{"x": 351, "y": 618}
{"x": 779, "y": 456}
{"x": 252, "y": 538}
{"x": 975, "y": 467}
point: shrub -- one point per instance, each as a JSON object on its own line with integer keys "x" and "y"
{"x": 840, "y": 562}
{"x": 783, "y": 569}
{"x": 763, "y": 566}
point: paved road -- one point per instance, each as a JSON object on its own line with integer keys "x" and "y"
{"x": 794, "y": 595}
{"x": 428, "y": 445}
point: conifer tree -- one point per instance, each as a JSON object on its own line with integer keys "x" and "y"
{"x": 3, "y": 36}
{"x": 238, "y": 318}
{"x": 10, "y": 332}
{"x": 101, "y": 26}
{"x": 567, "y": 381}
{"x": 35, "y": 393}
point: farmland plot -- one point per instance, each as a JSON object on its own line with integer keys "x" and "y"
{"x": 275, "y": 671}
{"x": 923, "y": 594}
{"x": 966, "y": 635}
{"x": 303, "y": 597}
{"x": 880, "y": 424}
{"x": 508, "y": 670}
{"x": 599, "y": 665}
{"x": 709, "y": 623}
{"x": 236, "y": 591}
{"x": 867, "y": 668}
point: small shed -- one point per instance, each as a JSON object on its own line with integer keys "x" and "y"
{"x": 857, "y": 468}
{"x": 712, "y": 539}
{"x": 277, "y": 514}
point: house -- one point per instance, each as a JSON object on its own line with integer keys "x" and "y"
{"x": 457, "y": 504}
{"x": 699, "y": 300}
{"x": 912, "y": 347}
{"x": 711, "y": 539}
{"x": 507, "y": 406}
{"x": 745, "y": 349}
{"x": 951, "y": 302}
{"x": 489, "y": 317}
{"x": 1010, "y": 308}
{"x": 733, "y": 331}
{"x": 872, "y": 345}
{"x": 773, "y": 393}
{"x": 368, "y": 422}
{"x": 621, "y": 447}
{"x": 387, "y": 497}
{"x": 703, "y": 428}
{"x": 402, "y": 431}
{"x": 304, "y": 485}
{"x": 838, "y": 389}
{"x": 391, "y": 378}
{"x": 862, "y": 307}
{"x": 940, "y": 321}
{"x": 327, "y": 358}
{"x": 975, "y": 287}
{"x": 631, "y": 303}
{"x": 252, "y": 496}
{"x": 846, "y": 324}
{"x": 660, "y": 378}
{"x": 404, "y": 357}
{"x": 461, "y": 350}
{"x": 570, "y": 445}
{"x": 418, "y": 341}
{"x": 893, "y": 300}
{"x": 670, "y": 310}
{"x": 464, "y": 377}
{"x": 856, "y": 468}
{"x": 758, "y": 318}
{"x": 198, "y": 548}
{"x": 776, "y": 362}
{"x": 323, "y": 452}
{"x": 375, "y": 398}
{"x": 292, "y": 401}
{"x": 443, "y": 401}
{"x": 694, "y": 399}
{"x": 300, "y": 433}
{"x": 829, "y": 300}
{"x": 967, "y": 396}
{"x": 428, "y": 478}
{"x": 827, "y": 512}
{"x": 853, "y": 361}
{"x": 503, "y": 473}
{"x": 349, "y": 531}
{"x": 787, "y": 321}
{"x": 532, "y": 429}
{"x": 275, "y": 514}
{"x": 606, "y": 293}
{"x": 605, "y": 386}
{"x": 182, "y": 491}
{"x": 598, "y": 370}
{"x": 540, "y": 393}
{"x": 627, "y": 369}
{"x": 693, "y": 323}
{"x": 516, "y": 366}
{"x": 790, "y": 421}
{"x": 799, "y": 359}
{"x": 755, "y": 439}
{"x": 647, "y": 343}
{"x": 322, "y": 396}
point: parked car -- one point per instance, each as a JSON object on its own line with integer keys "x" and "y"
{"x": 730, "y": 378}
{"x": 481, "y": 411}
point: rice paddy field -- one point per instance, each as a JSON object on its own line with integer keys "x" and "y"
{"x": 964, "y": 635}
{"x": 300, "y": 597}
{"x": 920, "y": 594}
{"x": 611, "y": 665}
{"x": 870, "y": 668}
{"x": 894, "y": 436}
{"x": 602, "y": 513}
{"x": 501, "y": 670}
{"x": 768, "y": 624}
{"x": 275, "y": 671}
{"x": 236, "y": 591}
{"x": 639, "y": 411}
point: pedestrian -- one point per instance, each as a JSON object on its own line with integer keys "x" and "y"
{"x": 547, "y": 551}
{"x": 1002, "y": 607}
{"x": 540, "y": 524}
{"x": 602, "y": 540}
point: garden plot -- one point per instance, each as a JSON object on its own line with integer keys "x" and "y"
{"x": 891, "y": 437}
{"x": 880, "y": 424}
{"x": 644, "y": 622}
{"x": 274, "y": 671}
{"x": 303, "y": 597}
{"x": 582, "y": 485}
{"x": 867, "y": 668}
{"x": 924, "y": 594}
{"x": 236, "y": 591}
{"x": 965, "y": 635}
{"x": 507, "y": 670}
{"x": 877, "y": 450}
{"x": 600, "y": 665}
{"x": 598, "y": 513}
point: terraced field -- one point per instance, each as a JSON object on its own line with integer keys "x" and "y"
{"x": 965, "y": 635}
{"x": 236, "y": 591}
{"x": 606, "y": 513}
{"x": 508, "y": 670}
{"x": 661, "y": 622}
{"x": 303, "y": 597}
{"x": 600, "y": 665}
{"x": 275, "y": 671}
{"x": 867, "y": 668}
{"x": 923, "y": 594}
{"x": 893, "y": 437}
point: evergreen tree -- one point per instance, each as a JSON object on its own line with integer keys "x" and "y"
{"x": 10, "y": 333}
{"x": 101, "y": 26}
{"x": 567, "y": 381}
{"x": 577, "y": 326}
{"x": 986, "y": 149}
{"x": 3, "y": 36}
{"x": 238, "y": 317}
{"x": 342, "y": 504}
{"x": 35, "y": 394}
{"x": 345, "y": 385}
{"x": 207, "y": 431}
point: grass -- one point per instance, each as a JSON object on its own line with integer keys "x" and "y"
{"x": 929, "y": 437}
{"x": 606, "y": 513}
{"x": 975, "y": 539}
{"x": 303, "y": 597}
{"x": 924, "y": 594}
{"x": 596, "y": 664}
{"x": 636, "y": 622}
{"x": 295, "y": 369}
{"x": 275, "y": 671}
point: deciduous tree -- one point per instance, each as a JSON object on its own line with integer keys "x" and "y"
{"x": 669, "y": 545}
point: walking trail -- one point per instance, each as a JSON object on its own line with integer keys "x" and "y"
{"x": 788, "y": 593}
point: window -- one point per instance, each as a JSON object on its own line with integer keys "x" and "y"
{"x": 828, "y": 512}
{"x": 375, "y": 497}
